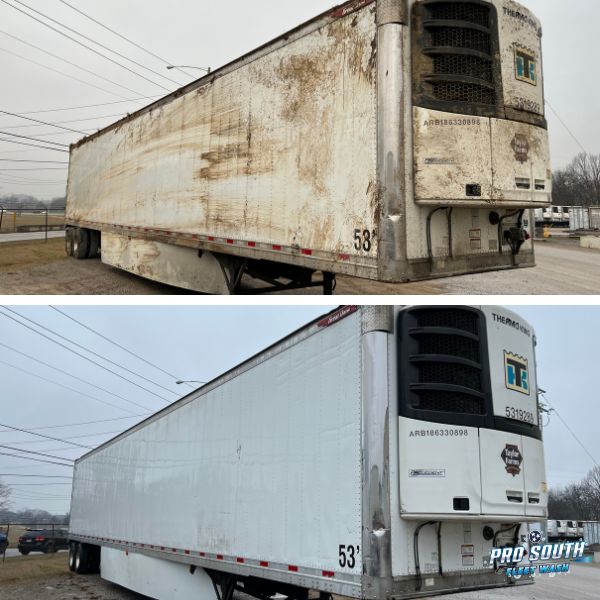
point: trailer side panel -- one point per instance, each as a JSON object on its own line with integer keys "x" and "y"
{"x": 263, "y": 468}
{"x": 278, "y": 150}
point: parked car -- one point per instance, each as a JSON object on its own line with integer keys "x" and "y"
{"x": 43, "y": 540}
{"x": 3, "y": 543}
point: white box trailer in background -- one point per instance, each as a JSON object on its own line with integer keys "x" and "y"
{"x": 591, "y": 532}
{"x": 375, "y": 453}
{"x": 392, "y": 140}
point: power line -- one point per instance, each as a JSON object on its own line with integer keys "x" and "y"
{"x": 25, "y": 137}
{"x": 62, "y": 337}
{"x": 20, "y": 179}
{"x": 71, "y": 437}
{"x": 565, "y": 126}
{"x": 35, "y": 453}
{"x": 40, "y": 476}
{"x": 89, "y": 39}
{"x": 71, "y": 121}
{"x": 35, "y": 112}
{"x": 88, "y": 422}
{"x": 568, "y": 428}
{"x": 41, "y": 460}
{"x": 124, "y": 38}
{"x": 37, "y": 484}
{"x": 28, "y": 183}
{"x": 38, "y": 122}
{"x": 35, "y": 495}
{"x": 39, "y": 496}
{"x": 46, "y": 437}
{"x": 116, "y": 344}
{"x": 32, "y": 145}
{"x": 75, "y": 352}
{"x": 77, "y": 41}
{"x": 51, "y": 133}
{"x": 69, "y": 375}
{"x": 34, "y": 62}
{"x": 41, "y": 162}
{"x": 69, "y": 62}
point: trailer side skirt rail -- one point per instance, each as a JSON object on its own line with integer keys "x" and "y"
{"x": 328, "y": 581}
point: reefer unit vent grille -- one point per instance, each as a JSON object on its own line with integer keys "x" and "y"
{"x": 443, "y": 372}
{"x": 456, "y": 62}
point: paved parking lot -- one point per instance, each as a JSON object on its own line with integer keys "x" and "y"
{"x": 583, "y": 583}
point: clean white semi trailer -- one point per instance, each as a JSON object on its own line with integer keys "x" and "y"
{"x": 376, "y": 453}
{"x": 392, "y": 140}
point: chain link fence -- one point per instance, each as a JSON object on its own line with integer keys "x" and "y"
{"x": 11, "y": 532}
{"x": 31, "y": 220}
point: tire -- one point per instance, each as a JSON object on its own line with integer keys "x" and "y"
{"x": 24, "y": 552}
{"x": 50, "y": 548}
{"x": 72, "y": 553}
{"x": 94, "y": 560}
{"x": 82, "y": 559}
{"x": 94, "y": 251}
{"x": 81, "y": 243}
{"x": 69, "y": 241}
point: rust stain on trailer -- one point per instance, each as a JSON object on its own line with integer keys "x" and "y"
{"x": 375, "y": 194}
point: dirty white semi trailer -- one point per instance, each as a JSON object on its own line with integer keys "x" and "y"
{"x": 392, "y": 140}
{"x": 376, "y": 453}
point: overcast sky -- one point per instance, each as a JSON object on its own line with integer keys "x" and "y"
{"x": 203, "y": 33}
{"x": 199, "y": 343}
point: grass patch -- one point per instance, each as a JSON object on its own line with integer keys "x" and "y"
{"x": 19, "y": 254}
{"x": 23, "y": 568}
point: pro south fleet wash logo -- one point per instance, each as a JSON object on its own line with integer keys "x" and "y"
{"x": 542, "y": 558}
{"x": 516, "y": 369}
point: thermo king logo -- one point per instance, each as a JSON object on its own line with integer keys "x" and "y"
{"x": 525, "y": 65}
{"x": 516, "y": 369}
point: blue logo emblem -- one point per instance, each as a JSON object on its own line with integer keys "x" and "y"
{"x": 517, "y": 373}
{"x": 525, "y": 66}
{"x": 535, "y": 537}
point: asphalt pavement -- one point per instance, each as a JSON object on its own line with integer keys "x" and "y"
{"x": 582, "y": 583}
{"x": 26, "y": 237}
{"x": 10, "y": 552}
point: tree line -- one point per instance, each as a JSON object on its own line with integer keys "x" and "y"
{"x": 578, "y": 184}
{"x": 31, "y": 516}
{"x": 578, "y": 501}
{"x": 19, "y": 202}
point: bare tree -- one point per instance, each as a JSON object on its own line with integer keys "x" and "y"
{"x": 579, "y": 183}
{"x": 4, "y": 496}
{"x": 578, "y": 501}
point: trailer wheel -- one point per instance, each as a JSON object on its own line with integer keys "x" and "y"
{"x": 94, "y": 250}
{"x": 81, "y": 243}
{"x": 94, "y": 565}
{"x": 81, "y": 559}
{"x": 69, "y": 241}
{"x": 72, "y": 554}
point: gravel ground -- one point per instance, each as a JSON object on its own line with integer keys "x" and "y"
{"x": 563, "y": 269}
{"x": 67, "y": 587}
